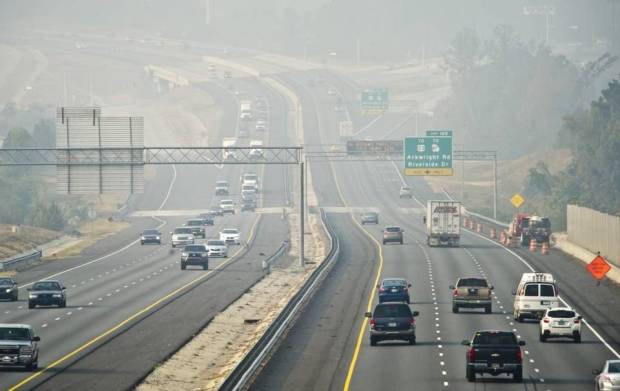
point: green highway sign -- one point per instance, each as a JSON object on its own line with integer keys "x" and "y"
{"x": 375, "y": 101}
{"x": 428, "y": 156}
{"x": 439, "y": 133}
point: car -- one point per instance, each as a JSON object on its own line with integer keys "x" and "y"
{"x": 195, "y": 255}
{"x": 494, "y": 352}
{"x": 394, "y": 289}
{"x": 8, "y": 289}
{"x": 182, "y": 236}
{"x": 150, "y": 236}
{"x": 472, "y": 292}
{"x": 393, "y": 234}
{"x": 221, "y": 188}
{"x": 369, "y": 218}
{"x": 338, "y": 109}
{"x": 47, "y": 293}
{"x": 261, "y": 125}
{"x": 392, "y": 321}
{"x": 248, "y": 204}
{"x": 197, "y": 226}
{"x": 405, "y": 192}
{"x": 19, "y": 346}
{"x": 331, "y": 91}
{"x": 230, "y": 236}
{"x": 608, "y": 378}
{"x": 207, "y": 219}
{"x": 216, "y": 211}
{"x": 228, "y": 206}
{"x": 227, "y": 75}
{"x": 560, "y": 322}
{"x": 217, "y": 248}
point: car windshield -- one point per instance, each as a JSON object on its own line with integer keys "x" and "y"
{"x": 226, "y": 202}
{"x": 392, "y": 229}
{"x": 230, "y": 231}
{"x": 370, "y": 214}
{"x": 250, "y": 177}
{"x": 151, "y": 232}
{"x": 14, "y": 334}
{"x": 394, "y": 282}
{"x": 215, "y": 243}
{"x": 405, "y": 188}
{"x": 392, "y": 311}
{"x": 6, "y": 281}
{"x": 495, "y": 338}
{"x": 614, "y": 367}
{"x": 182, "y": 230}
{"x": 195, "y": 248}
{"x": 472, "y": 282}
{"x": 561, "y": 314}
{"x": 194, "y": 222}
{"x": 221, "y": 183}
{"x": 46, "y": 286}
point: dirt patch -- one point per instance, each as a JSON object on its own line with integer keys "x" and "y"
{"x": 91, "y": 232}
{"x": 15, "y": 240}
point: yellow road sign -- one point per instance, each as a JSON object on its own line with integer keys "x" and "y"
{"x": 429, "y": 172}
{"x": 517, "y": 200}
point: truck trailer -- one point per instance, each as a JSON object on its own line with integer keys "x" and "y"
{"x": 443, "y": 223}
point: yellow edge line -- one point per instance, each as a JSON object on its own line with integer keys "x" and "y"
{"x": 129, "y": 319}
{"x": 360, "y": 336}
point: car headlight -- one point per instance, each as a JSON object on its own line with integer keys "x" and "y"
{"x": 156, "y": 237}
{"x": 8, "y": 290}
{"x": 25, "y": 350}
{"x": 57, "y": 295}
{"x": 204, "y": 255}
{"x": 184, "y": 254}
{"x": 32, "y": 295}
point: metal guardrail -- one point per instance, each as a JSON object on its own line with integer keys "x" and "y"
{"x": 267, "y": 262}
{"x": 21, "y": 260}
{"x": 241, "y": 377}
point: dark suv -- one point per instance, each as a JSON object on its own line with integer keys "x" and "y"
{"x": 494, "y": 352}
{"x": 369, "y": 218}
{"x": 392, "y": 321}
{"x": 197, "y": 227}
{"x": 8, "y": 289}
{"x": 195, "y": 255}
{"x": 49, "y": 292}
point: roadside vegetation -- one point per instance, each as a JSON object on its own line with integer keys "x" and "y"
{"x": 522, "y": 99}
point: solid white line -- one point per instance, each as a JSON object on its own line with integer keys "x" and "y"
{"x": 607, "y": 345}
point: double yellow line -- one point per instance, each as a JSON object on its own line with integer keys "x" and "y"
{"x": 373, "y": 291}
{"x": 132, "y": 317}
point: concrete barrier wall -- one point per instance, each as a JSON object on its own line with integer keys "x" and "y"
{"x": 594, "y": 231}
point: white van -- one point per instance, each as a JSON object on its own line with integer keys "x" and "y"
{"x": 535, "y": 294}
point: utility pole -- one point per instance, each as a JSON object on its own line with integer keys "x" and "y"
{"x": 495, "y": 187}
{"x": 357, "y": 52}
{"x": 302, "y": 262}
{"x": 207, "y": 12}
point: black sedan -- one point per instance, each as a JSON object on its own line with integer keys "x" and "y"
{"x": 8, "y": 289}
{"x": 150, "y": 236}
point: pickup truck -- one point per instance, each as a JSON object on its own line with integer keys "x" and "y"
{"x": 19, "y": 346}
{"x": 471, "y": 293}
{"x": 494, "y": 352}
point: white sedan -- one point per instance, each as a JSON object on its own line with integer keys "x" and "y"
{"x": 230, "y": 236}
{"x": 217, "y": 248}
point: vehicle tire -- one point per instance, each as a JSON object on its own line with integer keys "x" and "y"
{"x": 577, "y": 337}
{"x": 63, "y": 304}
{"x": 14, "y": 298}
{"x": 141, "y": 243}
{"x": 517, "y": 377}
{"x": 488, "y": 309}
{"x": 373, "y": 341}
{"x": 384, "y": 242}
{"x": 32, "y": 366}
{"x": 173, "y": 245}
{"x": 471, "y": 375}
{"x": 31, "y": 305}
{"x": 455, "y": 309}
{"x": 542, "y": 337}
{"x": 205, "y": 267}
{"x": 182, "y": 266}
{"x": 412, "y": 341}
{"x": 401, "y": 242}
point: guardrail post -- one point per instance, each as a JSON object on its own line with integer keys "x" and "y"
{"x": 301, "y": 215}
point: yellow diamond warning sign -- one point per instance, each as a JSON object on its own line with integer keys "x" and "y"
{"x": 517, "y": 200}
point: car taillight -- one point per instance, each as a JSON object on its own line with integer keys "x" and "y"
{"x": 546, "y": 320}
{"x": 455, "y": 292}
{"x": 577, "y": 321}
{"x": 471, "y": 354}
{"x": 412, "y": 322}
{"x": 519, "y": 355}
{"x": 373, "y": 323}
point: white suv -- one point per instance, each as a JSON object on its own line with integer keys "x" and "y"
{"x": 560, "y": 322}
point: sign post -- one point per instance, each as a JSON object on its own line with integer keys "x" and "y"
{"x": 428, "y": 156}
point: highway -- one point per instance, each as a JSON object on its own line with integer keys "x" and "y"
{"x": 130, "y": 306}
{"x": 329, "y": 347}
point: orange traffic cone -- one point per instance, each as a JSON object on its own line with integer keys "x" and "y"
{"x": 502, "y": 237}
{"x": 471, "y": 224}
{"x": 492, "y": 233}
{"x": 544, "y": 250}
{"x": 514, "y": 241}
{"x": 465, "y": 222}
{"x": 479, "y": 228}
{"x": 533, "y": 245}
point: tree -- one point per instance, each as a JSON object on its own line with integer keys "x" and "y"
{"x": 18, "y": 138}
{"x": 44, "y": 133}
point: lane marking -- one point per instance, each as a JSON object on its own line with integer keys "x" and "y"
{"x": 144, "y": 310}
